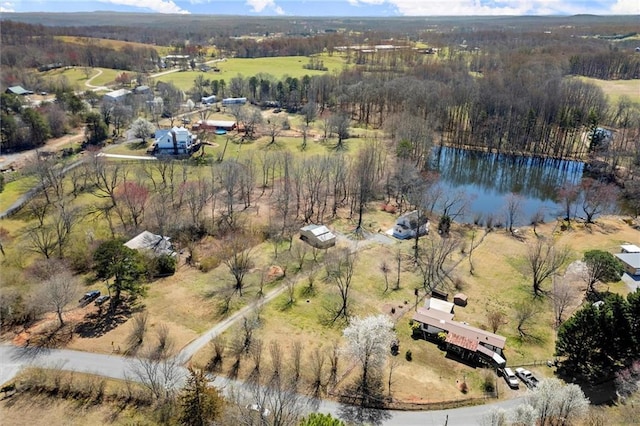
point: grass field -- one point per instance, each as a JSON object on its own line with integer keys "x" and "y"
{"x": 113, "y": 44}
{"x": 615, "y": 89}
{"x": 278, "y": 68}
{"x": 77, "y": 78}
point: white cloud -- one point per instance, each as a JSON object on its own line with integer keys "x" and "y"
{"x": 7, "y": 7}
{"x": 160, "y": 6}
{"x": 260, "y": 5}
{"x": 624, "y": 7}
{"x": 503, "y": 7}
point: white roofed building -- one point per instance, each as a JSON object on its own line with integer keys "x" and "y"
{"x": 318, "y": 236}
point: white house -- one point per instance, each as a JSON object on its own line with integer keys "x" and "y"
{"x": 409, "y": 223}
{"x": 318, "y": 236}
{"x": 177, "y": 141}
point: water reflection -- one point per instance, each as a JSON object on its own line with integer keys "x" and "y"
{"x": 489, "y": 177}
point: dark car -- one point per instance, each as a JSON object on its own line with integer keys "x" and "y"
{"x": 100, "y": 300}
{"x": 89, "y": 296}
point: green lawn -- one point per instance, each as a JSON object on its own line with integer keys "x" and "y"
{"x": 277, "y": 67}
{"x": 77, "y": 78}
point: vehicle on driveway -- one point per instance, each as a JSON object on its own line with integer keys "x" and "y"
{"x": 526, "y": 377}
{"x": 100, "y": 300}
{"x": 89, "y": 297}
{"x": 510, "y": 378}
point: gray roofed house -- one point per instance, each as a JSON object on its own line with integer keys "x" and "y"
{"x": 18, "y": 90}
{"x": 116, "y": 96}
{"x": 631, "y": 262}
{"x": 149, "y": 242}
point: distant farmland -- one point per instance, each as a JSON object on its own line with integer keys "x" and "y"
{"x": 278, "y": 67}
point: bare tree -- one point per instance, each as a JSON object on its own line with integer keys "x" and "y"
{"x": 339, "y": 124}
{"x": 568, "y": 195}
{"x": 256, "y": 356}
{"x": 219, "y": 344}
{"x": 543, "y": 260}
{"x": 296, "y": 358}
{"x": 384, "y": 268}
{"x": 563, "y": 295}
{"x": 394, "y": 363}
{"x": 238, "y": 259}
{"x": 495, "y": 318}
{"x": 317, "y": 372}
{"x": 159, "y": 377}
{"x": 58, "y": 291}
{"x": 363, "y": 182}
{"x": 431, "y": 263}
{"x": 597, "y": 197}
{"x": 525, "y": 313}
{"x": 340, "y": 268}
{"x": 513, "y": 209}
{"x": 275, "y": 350}
{"x": 138, "y": 331}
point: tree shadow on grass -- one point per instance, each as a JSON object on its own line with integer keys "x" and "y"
{"x": 104, "y": 320}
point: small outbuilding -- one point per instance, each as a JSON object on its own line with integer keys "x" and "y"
{"x": 116, "y": 96}
{"x": 460, "y": 299}
{"x": 318, "y": 236}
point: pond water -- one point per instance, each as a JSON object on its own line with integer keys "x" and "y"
{"x": 488, "y": 178}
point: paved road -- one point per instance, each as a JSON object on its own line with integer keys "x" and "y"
{"x": 116, "y": 367}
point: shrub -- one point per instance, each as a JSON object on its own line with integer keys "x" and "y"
{"x": 209, "y": 263}
{"x": 408, "y": 355}
{"x": 165, "y": 265}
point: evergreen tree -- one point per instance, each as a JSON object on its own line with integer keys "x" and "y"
{"x": 601, "y": 338}
{"x": 200, "y": 404}
{"x": 318, "y": 419}
{"x": 113, "y": 259}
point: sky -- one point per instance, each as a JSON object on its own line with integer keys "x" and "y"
{"x": 360, "y": 8}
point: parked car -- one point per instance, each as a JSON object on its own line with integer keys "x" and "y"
{"x": 89, "y": 296}
{"x": 526, "y": 377}
{"x": 100, "y": 300}
{"x": 510, "y": 378}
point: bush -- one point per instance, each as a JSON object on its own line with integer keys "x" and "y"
{"x": 165, "y": 265}
{"x": 209, "y": 263}
{"x": 488, "y": 381}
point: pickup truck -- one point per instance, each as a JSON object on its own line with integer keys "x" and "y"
{"x": 526, "y": 377}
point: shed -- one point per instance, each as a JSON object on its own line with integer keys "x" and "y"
{"x": 460, "y": 299}
{"x": 142, "y": 90}
{"x": 151, "y": 243}
{"x": 318, "y": 236}
{"x": 439, "y": 294}
{"x": 629, "y": 248}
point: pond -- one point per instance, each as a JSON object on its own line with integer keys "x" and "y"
{"x": 488, "y": 178}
